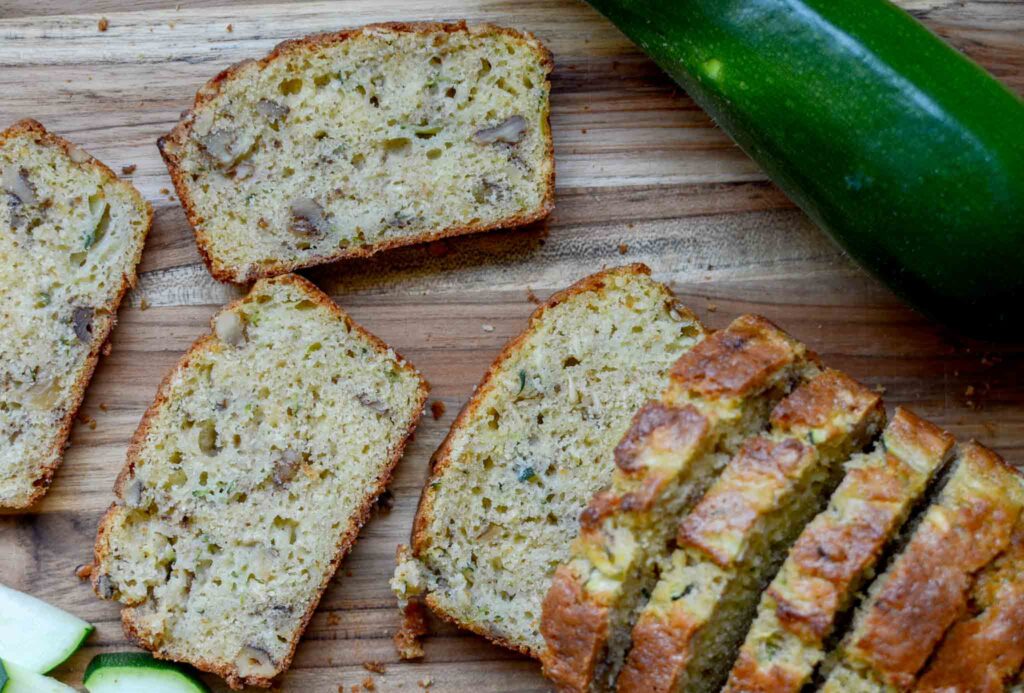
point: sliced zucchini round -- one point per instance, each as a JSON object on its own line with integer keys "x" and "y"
{"x": 17, "y": 679}
{"x": 36, "y": 635}
{"x": 138, "y": 672}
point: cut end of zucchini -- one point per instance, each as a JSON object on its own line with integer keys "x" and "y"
{"x": 139, "y": 672}
{"x": 17, "y": 679}
{"x": 35, "y": 635}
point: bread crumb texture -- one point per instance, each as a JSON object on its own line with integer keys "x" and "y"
{"x": 533, "y": 446}
{"x": 249, "y": 478}
{"x": 70, "y": 237}
{"x": 344, "y": 144}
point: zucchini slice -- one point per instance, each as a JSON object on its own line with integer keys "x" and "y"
{"x": 36, "y": 635}
{"x": 18, "y": 679}
{"x": 138, "y": 672}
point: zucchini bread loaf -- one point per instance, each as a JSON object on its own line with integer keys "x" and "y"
{"x": 731, "y": 544}
{"x": 72, "y": 235}
{"x": 344, "y": 144}
{"x": 836, "y": 555}
{"x": 720, "y": 393}
{"x": 926, "y": 588}
{"x": 249, "y": 478}
{"x": 532, "y": 446}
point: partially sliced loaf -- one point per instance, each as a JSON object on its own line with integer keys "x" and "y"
{"x": 249, "y": 478}
{"x": 732, "y": 542}
{"x": 925, "y": 589}
{"x": 532, "y": 446}
{"x": 835, "y": 555}
{"x": 344, "y": 144}
{"x": 71, "y": 235}
{"x": 984, "y": 650}
{"x": 720, "y": 393}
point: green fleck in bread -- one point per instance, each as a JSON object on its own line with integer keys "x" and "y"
{"x": 344, "y": 144}
{"x": 71, "y": 235}
{"x": 719, "y": 394}
{"x": 732, "y": 542}
{"x": 926, "y": 588}
{"x": 532, "y": 446}
{"x": 836, "y": 555}
{"x": 249, "y": 478}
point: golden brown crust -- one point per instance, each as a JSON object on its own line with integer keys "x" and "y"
{"x": 179, "y": 134}
{"x": 574, "y": 629}
{"x": 984, "y": 652}
{"x": 748, "y": 676}
{"x": 35, "y": 129}
{"x": 830, "y": 557}
{"x": 736, "y": 360}
{"x": 345, "y": 541}
{"x": 661, "y": 427}
{"x": 926, "y": 590}
{"x": 661, "y": 649}
{"x": 825, "y": 400}
{"x": 727, "y": 507}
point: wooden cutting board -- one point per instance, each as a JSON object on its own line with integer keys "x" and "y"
{"x": 643, "y": 175}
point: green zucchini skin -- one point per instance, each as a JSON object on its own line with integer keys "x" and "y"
{"x": 910, "y": 155}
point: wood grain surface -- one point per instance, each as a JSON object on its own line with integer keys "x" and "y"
{"x": 643, "y": 175}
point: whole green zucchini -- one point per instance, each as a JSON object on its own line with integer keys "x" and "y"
{"x": 908, "y": 153}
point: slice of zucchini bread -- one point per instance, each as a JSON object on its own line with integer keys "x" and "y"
{"x": 249, "y": 478}
{"x": 836, "y": 555}
{"x": 531, "y": 447}
{"x": 72, "y": 235}
{"x": 926, "y": 587}
{"x": 719, "y": 394}
{"x": 733, "y": 541}
{"x": 344, "y": 144}
{"x": 984, "y": 651}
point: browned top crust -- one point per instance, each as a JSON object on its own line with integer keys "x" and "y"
{"x": 982, "y": 653}
{"x": 735, "y": 360}
{"x": 662, "y": 427}
{"x": 661, "y": 649}
{"x": 727, "y": 507}
{"x": 830, "y": 556}
{"x": 926, "y": 590}
{"x": 827, "y": 399}
{"x": 36, "y": 130}
{"x": 213, "y": 87}
{"x": 574, "y": 629}
{"x": 748, "y": 676}
{"x": 914, "y": 433}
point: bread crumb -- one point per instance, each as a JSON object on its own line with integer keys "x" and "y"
{"x": 87, "y": 420}
{"x": 487, "y": 328}
{"x": 532, "y": 297}
{"x": 623, "y": 248}
{"x": 375, "y": 667}
{"x": 969, "y": 391}
{"x": 437, "y": 409}
{"x": 262, "y": 223}
{"x": 84, "y": 571}
{"x": 129, "y": 169}
{"x": 165, "y": 191}
{"x": 143, "y": 304}
{"x": 425, "y": 682}
{"x": 333, "y": 619}
{"x": 414, "y": 626}
{"x": 171, "y": 24}
{"x": 230, "y": 28}
{"x": 103, "y": 406}
{"x": 107, "y": 348}
{"x": 368, "y": 684}
{"x": 583, "y": 131}
{"x": 103, "y": 24}
{"x": 712, "y": 307}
